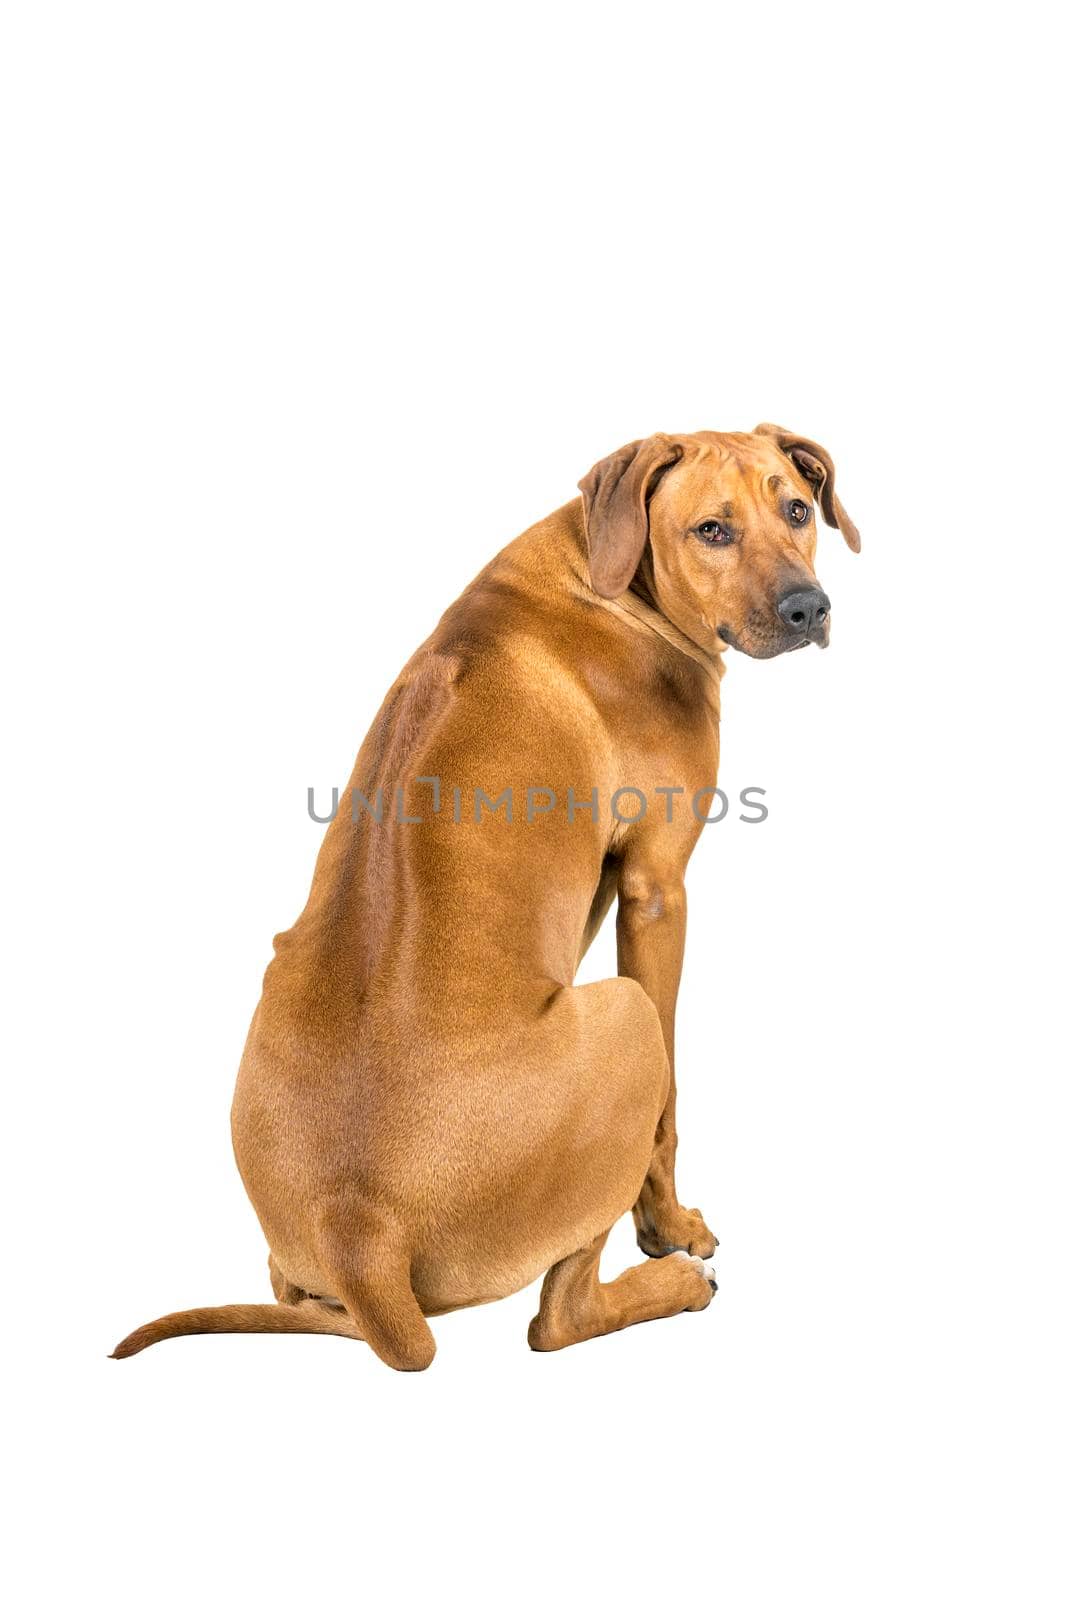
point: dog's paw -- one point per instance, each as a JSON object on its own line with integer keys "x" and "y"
{"x": 683, "y": 1229}
{"x": 698, "y": 1276}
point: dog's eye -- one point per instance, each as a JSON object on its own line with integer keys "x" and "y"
{"x": 798, "y": 512}
{"x": 713, "y": 533}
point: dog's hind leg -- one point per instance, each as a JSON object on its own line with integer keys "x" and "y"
{"x": 369, "y": 1271}
{"x": 286, "y": 1293}
{"x": 575, "y": 1305}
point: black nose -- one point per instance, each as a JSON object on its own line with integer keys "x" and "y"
{"x": 804, "y": 611}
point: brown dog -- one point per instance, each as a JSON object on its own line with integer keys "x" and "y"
{"x": 429, "y": 1114}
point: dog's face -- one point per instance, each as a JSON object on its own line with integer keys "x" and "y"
{"x": 719, "y": 531}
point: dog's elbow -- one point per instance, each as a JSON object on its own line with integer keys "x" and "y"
{"x": 647, "y": 896}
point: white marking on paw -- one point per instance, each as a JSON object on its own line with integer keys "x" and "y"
{"x": 705, "y": 1266}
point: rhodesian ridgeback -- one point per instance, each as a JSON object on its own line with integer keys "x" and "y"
{"x": 429, "y": 1112}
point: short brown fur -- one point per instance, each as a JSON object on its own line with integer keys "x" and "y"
{"x": 429, "y": 1113}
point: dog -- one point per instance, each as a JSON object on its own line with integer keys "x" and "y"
{"x": 429, "y": 1113}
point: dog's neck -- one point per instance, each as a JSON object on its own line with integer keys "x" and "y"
{"x": 559, "y": 543}
{"x": 639, "y": 603}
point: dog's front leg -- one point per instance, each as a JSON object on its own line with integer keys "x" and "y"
{"x": 650, "y": 930}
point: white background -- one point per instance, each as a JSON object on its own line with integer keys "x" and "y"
{"x": 307, "y": 311}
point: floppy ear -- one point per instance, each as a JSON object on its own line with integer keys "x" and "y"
{"x": 815, "y": 464}
{"x": 615, "y": 494}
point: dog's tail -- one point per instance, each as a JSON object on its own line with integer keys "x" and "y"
{"x": 310, "y": 1316}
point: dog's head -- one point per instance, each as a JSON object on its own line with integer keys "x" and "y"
{"x": 719, "y": 530}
